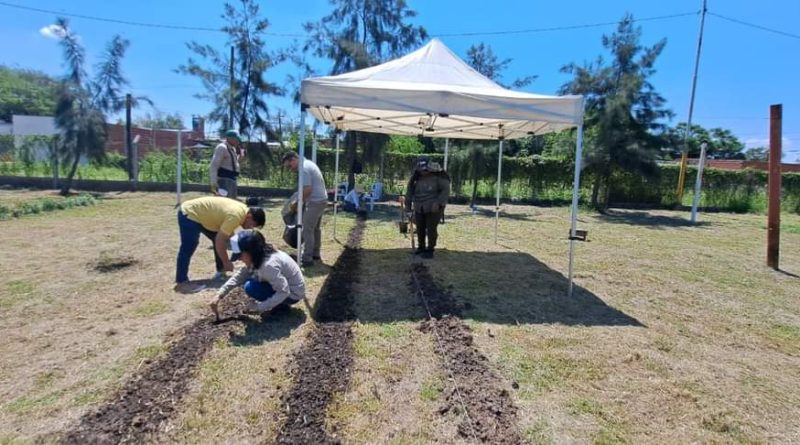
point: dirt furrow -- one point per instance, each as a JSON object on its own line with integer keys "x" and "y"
{"x": 491, "y": 416}
{"x": 153, "y": 395}
{"x": 322, "y": 367}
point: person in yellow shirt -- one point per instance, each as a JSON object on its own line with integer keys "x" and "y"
{"x": 216, "y": 218}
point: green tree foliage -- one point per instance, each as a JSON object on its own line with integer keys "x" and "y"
{"x": 160, "y": 120}
{"x": 757, "y": 154}
{"x": 623, "y": 106}
{"x": 358, "y": 34}
{"x": 83, "y": 103}
{"x": 478, "y": 157}
{"x": 722, "y": 144}
{"x": 249, "y": 89}
{"x": 26, "y": 92}
{"x": 404, "y": 144}
{"x": 483, "y": 59}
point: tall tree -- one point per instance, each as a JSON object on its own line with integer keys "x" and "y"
{"x": 84, "y": 103}
{"x": 483, "y": 59}
{"x": 478, "y": 157}
{"x": 721, "y": 142}
{"x": 358, "y": 34}
{"x": 624, "y": 107}
{"x": 248, "y": 91}
{"x": 757, "y": 154}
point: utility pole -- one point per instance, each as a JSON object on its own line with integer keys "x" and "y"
{"x": 685, "y": 154}
{"x": 774, "y": 187}
{"x": 230, "y": 111}
{"x": 129, "y": 136}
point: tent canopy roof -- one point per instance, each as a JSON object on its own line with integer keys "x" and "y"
{"x": 432, "y": 92}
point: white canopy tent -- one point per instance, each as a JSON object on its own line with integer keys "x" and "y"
{"x": 432, "y": 92}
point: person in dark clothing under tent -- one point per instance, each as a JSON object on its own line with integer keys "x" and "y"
{"x": 427, "y": 194}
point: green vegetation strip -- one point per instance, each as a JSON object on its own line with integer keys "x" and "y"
{"x": 41, "y": 205}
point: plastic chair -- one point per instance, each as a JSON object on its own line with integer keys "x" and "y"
{"x": 373, "y": 195}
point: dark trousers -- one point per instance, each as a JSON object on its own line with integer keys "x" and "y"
{"x": 427, "y": 227}
{"x": 190, "y": 237}
{"x": 260, "y": 291}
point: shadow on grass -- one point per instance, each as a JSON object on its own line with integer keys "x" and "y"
{"x": 494, "y": 287}
{"x": 648, "y": 220}
{"x": 269, "y": 327}
{"x": 787, "y": 273}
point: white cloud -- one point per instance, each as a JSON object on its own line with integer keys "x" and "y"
{"x": 54, "y": 32}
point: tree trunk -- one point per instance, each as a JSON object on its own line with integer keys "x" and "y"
{"x": 607, "y": 196}
{"x": 68, "y": 182}
{"x": 595, "y": 191}
{"x": 350, "y": 155}
{"x": 474, "y": 191}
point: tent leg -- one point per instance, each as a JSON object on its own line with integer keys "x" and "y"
{"x": 314, "y": 144}
{"x": 302, "y": 157}
{"x": 499, "y": 179}
{"x": 575, "y": 193}
{"x": 336, "y": 184}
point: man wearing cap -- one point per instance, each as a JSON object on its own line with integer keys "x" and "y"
{"x": 225, "y": 165}
{"x": 427, "y": 194}
{"x": 315, "y": 199}
{"x": 217, "y": 218}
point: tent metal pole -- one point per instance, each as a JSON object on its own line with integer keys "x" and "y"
{"x": 314, "y": 144}
{"x": 336, "y": 184}
{"x": 499, "y": 179}
{"x": 302, "y": 157}
{"x": 446, "y": 149}
{"x": 575, "y": 193}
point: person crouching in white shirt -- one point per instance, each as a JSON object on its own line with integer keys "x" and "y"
{"x": 270, "y": 277}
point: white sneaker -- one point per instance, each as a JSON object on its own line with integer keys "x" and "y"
{"x": 219, "y": 276}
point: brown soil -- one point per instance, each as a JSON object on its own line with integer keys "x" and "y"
{"x": 110, "y": 264}
{"x": 153, "y": 395}
{"x": 491, "y": 416}
{"x": 322, "y": 367}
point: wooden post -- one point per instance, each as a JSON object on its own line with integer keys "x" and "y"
{"x": 774, "y": 212}
{"x": 128, "y": 136}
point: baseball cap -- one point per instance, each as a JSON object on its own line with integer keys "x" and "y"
{"x": 233, "y": 134}
{"x": 236, "y": 249}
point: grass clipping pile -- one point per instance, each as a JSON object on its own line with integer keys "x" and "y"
{"x": 153, "y": 395}
{"x": 491, "y": 416}
{"x": 323, "y": 366}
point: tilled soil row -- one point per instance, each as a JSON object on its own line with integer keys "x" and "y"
{"x": 153, "y": 395}
{"x": 322, "y": 367}
{"x": 491, "y": 416}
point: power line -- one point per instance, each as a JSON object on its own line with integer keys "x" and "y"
{"x": 753, "y": 25}
{"x": 561, "y": 28}
{"x": 276, "y": 34}
{"x": 132, "y": 23}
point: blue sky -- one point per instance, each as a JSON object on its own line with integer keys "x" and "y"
{"x": 743, "y": 70}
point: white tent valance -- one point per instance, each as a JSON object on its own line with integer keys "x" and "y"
{"x": 432, "y": 92}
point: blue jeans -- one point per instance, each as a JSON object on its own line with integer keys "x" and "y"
{"x": 261, "y": 291}
{"x": 190, "y": 237}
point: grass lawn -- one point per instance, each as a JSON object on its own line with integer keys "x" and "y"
{"x": 675, "y": 333}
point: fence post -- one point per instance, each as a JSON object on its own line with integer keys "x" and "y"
{"x": 774, "y": 210}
